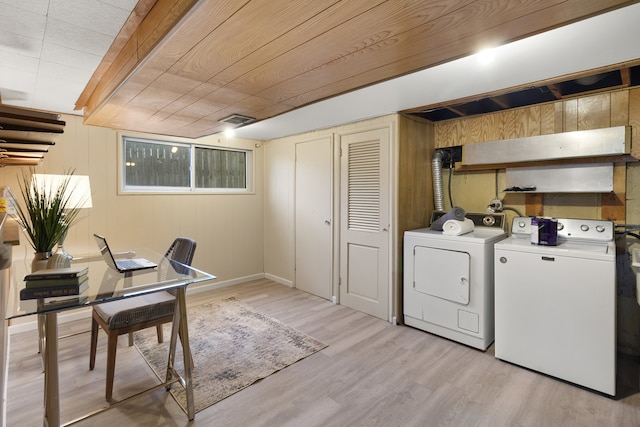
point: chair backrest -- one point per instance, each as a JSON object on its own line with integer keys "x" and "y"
{"x": 182, "y": 250}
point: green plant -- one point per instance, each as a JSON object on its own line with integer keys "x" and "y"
{"x": 47, "y": 213}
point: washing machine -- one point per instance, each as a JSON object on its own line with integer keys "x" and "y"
{"x": 448, "y": 280}
{"x": 556, "y": 305}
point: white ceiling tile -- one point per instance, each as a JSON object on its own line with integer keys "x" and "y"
{"x": 11, "y": 42}
{"x": 17, "y": 61}
{"x": 50, "y": 48}
{"x": 11, "y": 96}
{"x": 64, "y": 73}
{"x": 127, "y": 5}
{"x": 93, "y": 15}
{"x": 77, "y": 38}
{"x": 33, "y": 6}
{"x": 22, "y": 22}
{"x": 51, "y": 95}
{"x": 52, "y": 52}
{"x": 18, "y": 80}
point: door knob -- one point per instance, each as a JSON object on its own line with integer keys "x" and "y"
{"x": 326, "y": 221}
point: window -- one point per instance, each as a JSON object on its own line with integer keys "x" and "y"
{"x": 150, "y": 165}
{"x": 216, "y": 168}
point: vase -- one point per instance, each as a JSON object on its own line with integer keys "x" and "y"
{"x": 60, "y": 259}
{"x": 40, "y": 261}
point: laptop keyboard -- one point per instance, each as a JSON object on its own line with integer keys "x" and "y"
{"x": 128, "y": 263}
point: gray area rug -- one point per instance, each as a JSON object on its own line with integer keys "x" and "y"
{"x": 233, "y": 346}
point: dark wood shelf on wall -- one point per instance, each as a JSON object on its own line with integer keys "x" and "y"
{"x": 26, "y": 135}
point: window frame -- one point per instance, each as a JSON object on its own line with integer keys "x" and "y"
{"x": 123, "y": 189}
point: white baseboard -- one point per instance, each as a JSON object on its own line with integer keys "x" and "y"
{"x": 217, "y": 285}
{"x": 280, "y": 280}
{"x": 70, "y": 316}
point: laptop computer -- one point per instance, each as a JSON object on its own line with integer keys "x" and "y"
{"x": 122, "y": 265}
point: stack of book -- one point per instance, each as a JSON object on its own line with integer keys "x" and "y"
{"x": 58, "y": 282}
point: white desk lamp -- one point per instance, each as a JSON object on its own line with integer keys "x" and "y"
{"x": 77, "y": 194}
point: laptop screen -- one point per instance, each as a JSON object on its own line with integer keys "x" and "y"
{"x": 124, "y": 265}
{"x": 105, "y": 251}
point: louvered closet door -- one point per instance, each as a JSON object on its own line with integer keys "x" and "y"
{"x": 364, "y": 237}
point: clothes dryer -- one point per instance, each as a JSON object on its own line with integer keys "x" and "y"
{"x": 448, "y": 281}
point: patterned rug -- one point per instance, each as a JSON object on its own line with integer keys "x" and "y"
{"x": 233, "y": 346}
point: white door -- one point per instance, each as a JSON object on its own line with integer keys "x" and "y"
{"x": 364, "y": 222}
{"x": 313, "y": 221}
{"x": 442, "y": 273}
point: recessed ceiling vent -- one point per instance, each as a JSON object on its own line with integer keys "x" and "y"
{"x": 237, "y": 120}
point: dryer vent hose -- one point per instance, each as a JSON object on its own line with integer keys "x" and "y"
{"x": 436, "y": 171}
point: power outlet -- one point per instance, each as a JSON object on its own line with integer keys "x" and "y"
{"x": 495, "y": 205}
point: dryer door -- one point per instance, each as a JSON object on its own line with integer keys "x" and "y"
{"x": 442, "y": 273}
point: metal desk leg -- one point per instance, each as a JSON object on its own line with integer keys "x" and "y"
{"x": 51, "y": 387}
{"x": 175, "y": 325}
{"x": 180, "y": 324}
{"x": 41, "y": 338}
{"x": 186, "y": 350}
{"x": 41, "y": 327}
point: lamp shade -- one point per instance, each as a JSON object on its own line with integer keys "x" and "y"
{"x": 78, "y": 190}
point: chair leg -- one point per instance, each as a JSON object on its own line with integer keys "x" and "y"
{"x": 160, "y": 334}
{"x": 158, "y": 331}
{"x": 112, "y": 346}
{"x": 94, "y": 344}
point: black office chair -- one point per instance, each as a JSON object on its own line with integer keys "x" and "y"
{"x": 133, "y": 314}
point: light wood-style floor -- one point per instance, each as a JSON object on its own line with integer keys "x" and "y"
{"x": 372, "y": 374}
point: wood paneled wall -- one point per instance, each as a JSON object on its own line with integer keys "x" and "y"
{"x": 615, "y": 108}
{"x": 415, "y": 190}
{"x": 589, "y": 112}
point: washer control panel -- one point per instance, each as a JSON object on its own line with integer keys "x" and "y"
{"x": 570, "y": 228}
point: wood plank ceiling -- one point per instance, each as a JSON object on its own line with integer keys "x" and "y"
{"x": 180, "y": 67}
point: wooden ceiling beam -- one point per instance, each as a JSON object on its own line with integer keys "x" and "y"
{"x": 625, "y": 76}
{"x": 456, "y": 110}
{"x": 555, "y": 90}
{"x": 147, "y": 26}
{"x": 499, "y": 102}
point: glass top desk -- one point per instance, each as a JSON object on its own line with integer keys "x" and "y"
{"x": 106, "y": 284}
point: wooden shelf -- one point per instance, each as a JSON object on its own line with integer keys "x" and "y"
{"x": 26, "y": 135}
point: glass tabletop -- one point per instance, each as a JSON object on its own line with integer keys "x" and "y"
{"x": 105, "y": 283}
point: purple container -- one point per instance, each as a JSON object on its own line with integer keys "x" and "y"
{"x": 544, "y": 231}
